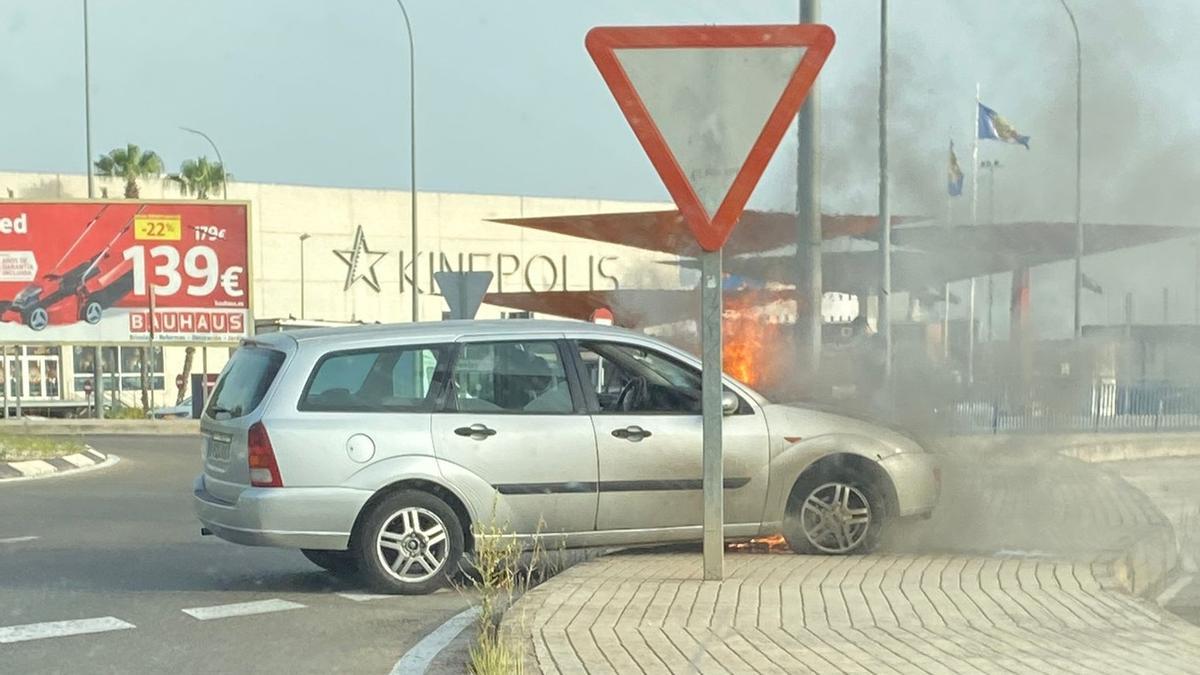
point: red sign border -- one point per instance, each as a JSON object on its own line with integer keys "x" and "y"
{"x": 601, "y": 43}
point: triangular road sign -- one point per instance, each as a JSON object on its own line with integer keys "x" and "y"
{"x": 463, "y": 291}
{"x": 709, "y": 104}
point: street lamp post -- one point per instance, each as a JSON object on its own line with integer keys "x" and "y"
{"x": 412, "y": 146}
{"x": 87, "y": 105}
{"x": 1078, "y": 172}
{"x": 303, "y": 238}
{"x": 224, "y": 174}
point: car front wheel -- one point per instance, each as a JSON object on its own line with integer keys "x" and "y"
{"x": 834, "y": 515}
{"x": 410, "y": 542}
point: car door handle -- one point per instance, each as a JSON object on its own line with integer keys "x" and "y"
{"x": 477, "y": 432}
{"x": 632, "y": 433}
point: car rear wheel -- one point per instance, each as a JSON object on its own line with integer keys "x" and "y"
{"x": 410, "y": 542}
{"x": 836, "y": 514}
{"x": 339, "y": 563}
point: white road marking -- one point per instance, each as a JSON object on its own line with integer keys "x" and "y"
{"x": 112, "y": 459}
{"x": 33, "y": 467}
{"x": 241, "y": 609}
{"x": 1169, "y": 594}
{"x": 14, "y": 540}
{"x": 416, "y": 660}
{"x": 363, "y": 597}
{"x": 52, "y": 629}
{"x": 79, "y": 459}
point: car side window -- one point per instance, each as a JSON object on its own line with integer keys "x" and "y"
{"x": 630, "y": 379}
{"x": 510, "y": 377}
{"x": 390, "y": 379}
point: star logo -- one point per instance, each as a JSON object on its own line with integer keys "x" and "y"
{"x": 360, "y": 262}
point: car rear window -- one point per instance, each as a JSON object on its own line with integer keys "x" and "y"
{"x": 247, "y": 379}
{"x": 389, "y": 379}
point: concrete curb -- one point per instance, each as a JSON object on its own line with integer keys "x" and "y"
{"x": 38, "y": 468}
{"x": 97, "y": 427}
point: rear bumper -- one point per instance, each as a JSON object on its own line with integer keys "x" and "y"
{"x": 318, "y": 518}
{"x": 917, "y": 479}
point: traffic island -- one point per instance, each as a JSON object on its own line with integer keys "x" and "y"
{"x": 27, "y": 456}
{"x": 83, "y": 427}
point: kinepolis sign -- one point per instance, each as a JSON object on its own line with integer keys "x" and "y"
{"x": 535, "y": 273}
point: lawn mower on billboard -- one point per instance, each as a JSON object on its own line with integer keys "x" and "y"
{"x": 79, "y": 287}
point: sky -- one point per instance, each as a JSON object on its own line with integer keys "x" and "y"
{"x": 316, "y": 92}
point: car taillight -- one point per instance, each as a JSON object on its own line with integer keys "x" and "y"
{"x": 264, "y": 471}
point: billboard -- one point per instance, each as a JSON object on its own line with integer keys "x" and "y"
{"x": 114, "y": 271}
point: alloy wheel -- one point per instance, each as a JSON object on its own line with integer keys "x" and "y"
{"x": 412, "y": 544}
{"x": 836, "y": 517}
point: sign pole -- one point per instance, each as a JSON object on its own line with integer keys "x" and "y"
{"x": 711, "y": 369}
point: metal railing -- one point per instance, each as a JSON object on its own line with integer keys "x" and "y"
{"x": 1108, "y": 406}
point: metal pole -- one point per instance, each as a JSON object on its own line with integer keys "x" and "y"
{"x": 974, "y": 222}
{"x": 1196, "y": 282}
{"x": 87, "y": 104}
{"x": 711, "y": 389}
{"x": 1078, "y": 172}
{"x": 7, "y": 376}
{"x": 885, "y": 214}
{"x": 19, "y": 350}
{"x": 98, "y": 382}
{"x": 808, "y": 216}
{"x": 412, "y": 145}
{"x": 303, "y": 238}
{"x": 224, "y": 175}
{"x": 991, "y": 166}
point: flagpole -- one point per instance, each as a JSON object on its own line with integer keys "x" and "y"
{"x": 946, "y": 286}
{"x": 974, "y": 222}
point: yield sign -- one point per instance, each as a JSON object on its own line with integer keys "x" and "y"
{"x": 463, "y": 291}
{"x": 709, "y": 104}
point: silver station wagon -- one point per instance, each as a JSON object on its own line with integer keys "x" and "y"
{"x": 378, "y": 450}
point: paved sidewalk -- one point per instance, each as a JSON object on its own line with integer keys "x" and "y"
{"x": 1026, "y": 566}
{"x": 783, "y": 613}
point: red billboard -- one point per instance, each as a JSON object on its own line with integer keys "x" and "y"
{"x": 115, "y": 271}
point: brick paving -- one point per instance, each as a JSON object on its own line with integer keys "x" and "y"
{"x": 1025, "y": 568}
{"x": 783, "y": 613}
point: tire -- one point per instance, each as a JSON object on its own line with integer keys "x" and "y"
{"x": 812, "y": 530}
{"x": 37, "y": 318}
{"x": 435, "y": 542}
{"x": 338, "y": 563}
{"x": 91, "y": 312}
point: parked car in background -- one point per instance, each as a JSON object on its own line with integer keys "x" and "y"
{"x": 376, "y": 449}
{"x": 181, "y": 411}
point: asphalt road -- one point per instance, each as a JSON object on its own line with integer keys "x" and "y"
{"x": 122, "y": 542}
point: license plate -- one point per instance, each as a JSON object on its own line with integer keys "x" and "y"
{"x": 218, "y": 449}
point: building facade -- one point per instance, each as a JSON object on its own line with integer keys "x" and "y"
{"x": 339, "y": 254}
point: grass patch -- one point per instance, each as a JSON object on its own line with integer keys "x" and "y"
{"x": 19, "y": 447}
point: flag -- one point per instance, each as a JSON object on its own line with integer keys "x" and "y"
{"x": 994, "y": 127}
{"x": 954, "y": 175}
{"x": 1091, "y": 284}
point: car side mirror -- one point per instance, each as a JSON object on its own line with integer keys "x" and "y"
{"x": 729, "y": 403}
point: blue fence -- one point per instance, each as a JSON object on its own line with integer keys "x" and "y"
{"x": 1108, "y": 406}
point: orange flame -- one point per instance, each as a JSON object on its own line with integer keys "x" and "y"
{"x": 747, "y": 337}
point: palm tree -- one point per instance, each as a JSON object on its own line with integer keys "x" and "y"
{"x": 199, "y": 177}
{"x": 131, "y": 164}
